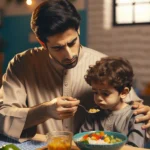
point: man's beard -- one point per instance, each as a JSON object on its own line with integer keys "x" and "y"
{"x": 68, "y": 64}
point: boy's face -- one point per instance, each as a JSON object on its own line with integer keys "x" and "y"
{"x": 64, "y": 48}
{"x": 106, "y": 97}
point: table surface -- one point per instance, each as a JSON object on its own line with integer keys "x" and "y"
{"x": 38, "y": 142}
{"x": 28, "y": 145}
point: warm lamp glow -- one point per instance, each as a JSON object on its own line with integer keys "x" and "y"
{"x": 29, "y": 2}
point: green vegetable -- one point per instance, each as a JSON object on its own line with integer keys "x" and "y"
{"x": 9, "y": 147}
{"x": 85, "y": 142}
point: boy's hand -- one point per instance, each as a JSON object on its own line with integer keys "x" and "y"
{"x": 142, "y": 109}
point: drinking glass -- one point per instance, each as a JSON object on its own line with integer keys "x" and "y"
{"x": 59, "y": 140}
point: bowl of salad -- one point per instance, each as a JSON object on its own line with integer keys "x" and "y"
{"x": 99, "y": 140}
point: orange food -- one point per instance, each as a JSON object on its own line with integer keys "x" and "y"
{"x": 59, "y": 143}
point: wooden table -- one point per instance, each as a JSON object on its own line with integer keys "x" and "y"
{"x": 42, "y": 138}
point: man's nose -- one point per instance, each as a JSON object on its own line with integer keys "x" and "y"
{"x": 69, "y": 53}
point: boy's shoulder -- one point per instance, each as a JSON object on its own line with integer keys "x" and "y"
{"x": 128, "y": 113}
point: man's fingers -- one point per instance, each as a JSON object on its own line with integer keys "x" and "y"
{"x": 68, "y": 98}
{"x": 142, "y": 110}
{"x": 63, "y": 115}
{"x": 66, "y": 109}
{"x": 143, "y": 118}
{"x": 137, "y": 105}
{"x": 139, "y": 111}
{"x": 147, "y": 125}
{"x": 68, "y": 103}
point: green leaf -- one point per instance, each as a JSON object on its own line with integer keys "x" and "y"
{"x": 85, "y": 142}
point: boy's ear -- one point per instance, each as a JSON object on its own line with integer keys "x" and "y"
{"x": 124, "y": 93}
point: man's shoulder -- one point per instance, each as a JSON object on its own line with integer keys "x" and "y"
{"x": 93, "y": 52}
{"x": 27, "y": 54}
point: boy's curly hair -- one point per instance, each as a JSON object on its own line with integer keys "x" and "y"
{"x": 115, "y": 71}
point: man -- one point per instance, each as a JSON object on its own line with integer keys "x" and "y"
{"x": 41, "y": 86}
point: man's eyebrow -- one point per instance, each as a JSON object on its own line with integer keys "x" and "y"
{"x": 61, "y": 46}
{"x": 72, "y": 40}
{"x": 57, "y": 46}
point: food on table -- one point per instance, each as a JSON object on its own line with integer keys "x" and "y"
{"x": 9, "y": 147}
{"x": 59, "y": 143}
{"x": 99, "y": 138}
{"x": 93, "y": 110}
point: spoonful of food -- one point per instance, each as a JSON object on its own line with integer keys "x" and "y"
{"x": 91, "y": 110}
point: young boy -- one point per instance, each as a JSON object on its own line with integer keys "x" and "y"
{"x": 111, "y": 80}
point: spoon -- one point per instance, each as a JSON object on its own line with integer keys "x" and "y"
{"x": 91, "y": 110}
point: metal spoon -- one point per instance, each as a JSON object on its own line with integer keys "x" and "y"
{"x": 91, "y": 110}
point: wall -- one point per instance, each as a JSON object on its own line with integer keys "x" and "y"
{"x": 16, "y": 28}
{"x": 132, "y": 42}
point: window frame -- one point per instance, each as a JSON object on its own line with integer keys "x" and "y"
{"x": 125, "y": 24}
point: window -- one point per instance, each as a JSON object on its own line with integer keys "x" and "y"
{"x": 131, "y": 12}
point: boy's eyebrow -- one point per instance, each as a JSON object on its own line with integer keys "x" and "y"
{"x": 101, "y": 90}
{"x": 61, "y": 46}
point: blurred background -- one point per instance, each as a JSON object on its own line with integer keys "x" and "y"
{"x": 114, "y": 27}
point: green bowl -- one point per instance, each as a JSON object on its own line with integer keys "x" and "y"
{"x": 114, "y": 146}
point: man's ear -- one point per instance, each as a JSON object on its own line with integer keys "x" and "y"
{"x": 78, "y": 31}
{"x": 124, "y": 93}
{"x": 41, "y": 42}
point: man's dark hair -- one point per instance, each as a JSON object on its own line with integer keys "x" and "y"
{"x": 115, "y": 71}
{"x": 54, "y": 16}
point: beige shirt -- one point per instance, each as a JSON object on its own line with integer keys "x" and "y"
{"x": 32, "y": 77}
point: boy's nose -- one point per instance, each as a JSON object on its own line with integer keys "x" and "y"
{"x": 100, "y": 98}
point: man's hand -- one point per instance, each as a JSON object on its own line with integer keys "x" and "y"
{"x": 58, "y": 108}
{"x": 63, "y": 107}
{"x": 142, "y": 109}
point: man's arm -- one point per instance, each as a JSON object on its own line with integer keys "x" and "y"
{"x": 15, "y": 116}
{"x": 140, "y": 109}
{"x": 57, "y": 108}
